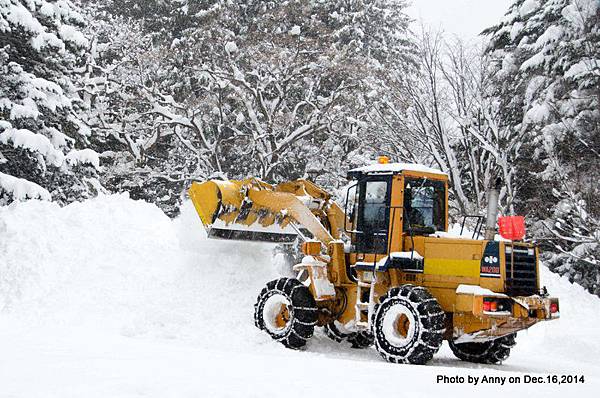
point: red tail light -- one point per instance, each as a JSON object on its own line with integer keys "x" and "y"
{"x": 553, "y": 308}
{"x": 499, "y": 305}
{"x": 487, "y": 305}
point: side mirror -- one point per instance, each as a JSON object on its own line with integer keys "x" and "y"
{"x": 350, "y": 212}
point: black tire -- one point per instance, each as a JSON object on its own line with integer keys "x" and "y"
{"x": 361, "y": 339}
{"x": 490, "y": 352}
{"x": 408, "y": 325}
{"x": 287, "y": 311}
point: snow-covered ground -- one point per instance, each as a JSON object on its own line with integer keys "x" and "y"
{"x": 110, "y": 298}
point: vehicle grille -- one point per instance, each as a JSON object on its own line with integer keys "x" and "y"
{"x": 521, "y": 272}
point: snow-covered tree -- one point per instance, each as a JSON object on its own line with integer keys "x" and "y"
{"x": 417, "y": 114}
{"x": 235, "y": 88}
{"x": 44, "y": 146}
{"x": 441, "y": 114}
{"x": 547, "y": 78}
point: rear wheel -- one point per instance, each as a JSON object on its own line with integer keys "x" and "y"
{"x": 287, "y": 311}
{"x": 491, "y": 352}
{"x": 336, "y": 332}
{"x": 408, "y": 325}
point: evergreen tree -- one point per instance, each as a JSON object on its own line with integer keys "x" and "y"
{"x": 43, "y": 144}
{"x": 547, "y": 79}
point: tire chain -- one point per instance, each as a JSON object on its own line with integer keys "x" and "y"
{"x": 303, "y": 311}
{"x": 430, "y": 327}
{"x": 488, "y": 352}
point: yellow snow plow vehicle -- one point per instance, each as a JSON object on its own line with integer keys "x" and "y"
{"x": 384, "y": 269}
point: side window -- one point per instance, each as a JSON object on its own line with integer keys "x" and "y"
{"x": 424, "y": 205}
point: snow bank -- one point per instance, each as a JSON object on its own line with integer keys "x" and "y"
{"x": 122, "y": 266}
{"x": 574, "y": 335}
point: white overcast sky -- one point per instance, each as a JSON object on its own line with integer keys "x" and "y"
{"x": 464, "y": 18}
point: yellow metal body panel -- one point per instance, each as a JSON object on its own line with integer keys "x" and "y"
{"x": 451, "y": 267}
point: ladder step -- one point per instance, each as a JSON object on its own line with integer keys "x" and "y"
{"x": 370, "y": 276}
{"x": 362, "y": 305}
{"x": 364, "y": 284}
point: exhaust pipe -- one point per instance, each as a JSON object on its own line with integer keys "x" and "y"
{"x": 492, "y": 210}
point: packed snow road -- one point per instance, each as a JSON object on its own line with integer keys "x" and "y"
{"x": 110, "y": 298}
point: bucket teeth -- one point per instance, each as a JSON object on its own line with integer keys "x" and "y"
{"x": 244, "y": 211}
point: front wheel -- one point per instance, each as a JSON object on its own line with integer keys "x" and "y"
{"x": 287, "y": 311}
{"x": 490, "y": 352}
{"x": 408, "y": 325}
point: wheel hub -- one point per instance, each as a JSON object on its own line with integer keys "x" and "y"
{"x": 277, "y": 313}
{"x": 283, "y": 317}
{"x": 399, "y": 325}
{"x": 402, "y": 325}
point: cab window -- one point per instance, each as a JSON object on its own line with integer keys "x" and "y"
{"x": 424, "y": 205}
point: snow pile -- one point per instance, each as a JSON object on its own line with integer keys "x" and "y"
{"x": 122, "y": 266}
{"x": 572, "y": 338}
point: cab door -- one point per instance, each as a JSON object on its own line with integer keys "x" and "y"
{"x": 372, "y": 215}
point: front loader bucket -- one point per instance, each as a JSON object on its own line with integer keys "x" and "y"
{"x": 253, "y": 210}
{"x": 227, "y": 214}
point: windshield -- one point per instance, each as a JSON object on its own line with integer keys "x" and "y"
{"x": 424, "y": 205}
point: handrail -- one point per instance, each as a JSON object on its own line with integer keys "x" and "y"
{"x": 478, "y": 225}
{"x": 411, "y": 233}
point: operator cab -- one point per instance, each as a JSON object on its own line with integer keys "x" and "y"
{"x": 388, "y": 199}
